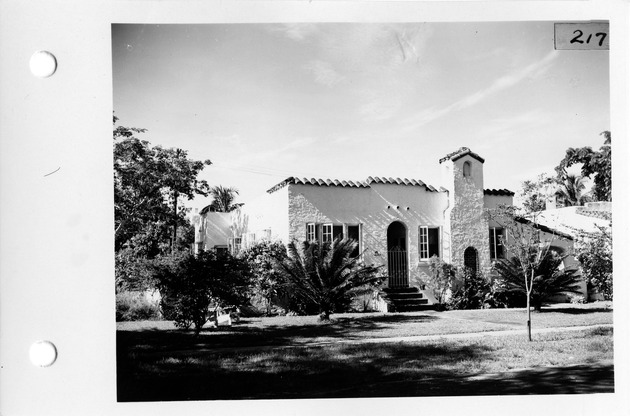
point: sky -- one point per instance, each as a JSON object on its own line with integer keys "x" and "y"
{"x": 346, "y": 101}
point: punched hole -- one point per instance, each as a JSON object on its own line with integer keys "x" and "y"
{"x": 43, "y": 64}
{"x": 43, "y": 353}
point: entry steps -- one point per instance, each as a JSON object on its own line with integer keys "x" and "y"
{"x": 405, "y": 299}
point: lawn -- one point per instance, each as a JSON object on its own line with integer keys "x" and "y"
{"x": 276, "y": 357}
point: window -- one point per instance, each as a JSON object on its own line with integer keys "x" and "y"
{"x": 311, "y": 232}
{"x": 234, "y": 245}
{"x": 221, "y": 249}
{"x": 428, "y": 242}
{"x": 353, "y": 233}
{"x": 496, "y": 243}
{"x": 466, "y": 169}
{"x": 329, "y": 232}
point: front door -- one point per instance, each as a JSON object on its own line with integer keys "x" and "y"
{"x": 397, "y": 268}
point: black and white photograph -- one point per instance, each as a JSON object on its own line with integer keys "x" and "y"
{"x": 333, "y": 210}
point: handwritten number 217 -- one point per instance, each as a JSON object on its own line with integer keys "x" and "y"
{"x": 579, "y": 34}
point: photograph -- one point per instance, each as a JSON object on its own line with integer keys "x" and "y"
{"x": 326, "y": 210}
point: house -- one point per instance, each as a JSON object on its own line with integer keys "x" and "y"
{"x": 563, "y": 226}
{"x": 398, "y": 223}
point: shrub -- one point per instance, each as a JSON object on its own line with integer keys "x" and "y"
{"x": 268, "y": 280}
{"x": 576, "y": 299}
{"x": 325, "y": 277}
{"x": 594, "y": 252}
{"x": 472, "y": 293}
{"x": 549, "y": 278}
{"x": 441, "y": 279}
{"x": 134, "y": 306}
{"x": 190, "y": 284}
{"x": 133, "y": 272}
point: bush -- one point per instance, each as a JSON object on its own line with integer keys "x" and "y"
{"x": 474, "y": 292}
{"x": 595, "y": 257}
{"x": 133, "y": 272}
{"x": 576, "y": 299}
{"x": 549, "y": 278}
{"x": 190, "y": 284}
{"x": 268, "y": 280}
{"x": 134, "y": 306}
{"x": 442, "y": 278}
{"x": 324, "y": 278}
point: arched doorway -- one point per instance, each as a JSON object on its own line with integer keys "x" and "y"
{"x": 397, "y": 268}
{"x": 471, "y": 259}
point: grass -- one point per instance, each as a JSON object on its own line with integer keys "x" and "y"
{"x": 275, "y": 357}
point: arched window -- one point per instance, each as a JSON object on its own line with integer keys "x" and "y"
{"x": 466, "y": 169}
{"x": 471, "y": 259}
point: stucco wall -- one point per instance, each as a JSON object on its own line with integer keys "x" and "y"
{"x": 374, "y": 208}
{"x": 569, "y": 263}
{"x": 213, "y": 229}
{"x": 493, "y": 201}
{"x": 269, "y": 212}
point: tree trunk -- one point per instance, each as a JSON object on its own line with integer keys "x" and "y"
{"x": 173, "y": 242}
{"x": 529, "y": 309}
{"x": 529, "y": 319}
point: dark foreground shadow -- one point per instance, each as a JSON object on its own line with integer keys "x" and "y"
{"x": 581, "y": 379}
{"x": 336, "y": 371}
{"x": 575, "y": 311}
{"x": 242, "y": 335}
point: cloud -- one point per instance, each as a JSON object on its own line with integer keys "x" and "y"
{"x": 533, "y": 70}
{"x": 375, "y": 62}
{"x": 296, "y": 31}
{"x": 272, "y": 155}
{"x": 501, "y": 126}
{"x": 324, "y": 73}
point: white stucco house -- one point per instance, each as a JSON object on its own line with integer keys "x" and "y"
{"x": 399, "y": 223}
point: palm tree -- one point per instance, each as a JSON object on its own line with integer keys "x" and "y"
{"x": 572, "y": 188}
{"x": 223, "y": 199}
{"x": 325, "y": 276}
{"x": 550, "y": 279}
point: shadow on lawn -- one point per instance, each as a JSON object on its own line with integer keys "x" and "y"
{"x": 350, "y": 371}
{"x": 317, "y": 372}
{"x": 244, "y": 335}
{"x": 575, "y": 311}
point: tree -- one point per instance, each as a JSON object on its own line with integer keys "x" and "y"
{"x": 190, "y": 284}
{"x": 597, "y": 163}
{"x": 594, "y": 252}
{"x": 524, "y": 244}
{"x": 571, "y": 187}
{"x": 326, "y": 275}
{"x": 148, "y": 183}
{"x": 223, "y": 199}
{"x": 262, "y": 258}
{"x": 534, "y": 194}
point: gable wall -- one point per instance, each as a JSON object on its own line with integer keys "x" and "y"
{"x": 369, "y": 207}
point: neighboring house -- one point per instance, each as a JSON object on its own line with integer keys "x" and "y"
{"x": 563, "y": 226}
{"x": 399, "y": 223}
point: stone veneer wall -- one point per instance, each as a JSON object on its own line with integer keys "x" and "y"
{"x": 468, "y": 225}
